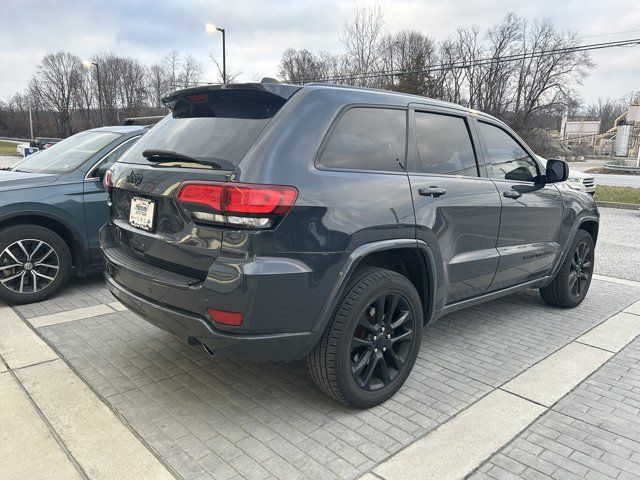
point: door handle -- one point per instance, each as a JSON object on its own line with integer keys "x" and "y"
{"x": 511, "y": 194}
{"x": 434, "y": 192}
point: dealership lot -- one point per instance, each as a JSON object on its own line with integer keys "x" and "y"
{"x": 193, "y": 416}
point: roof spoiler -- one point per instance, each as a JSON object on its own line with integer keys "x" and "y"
{"x": 277, "y": 89}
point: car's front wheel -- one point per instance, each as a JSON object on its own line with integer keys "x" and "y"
{"x": 370, "y": 345}
{"x": 571, "y": 283}
{"x": 35, "y": 262}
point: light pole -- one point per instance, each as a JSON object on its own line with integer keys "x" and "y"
{"x": 88, "y": 64}
{"x": 211, "y": 28}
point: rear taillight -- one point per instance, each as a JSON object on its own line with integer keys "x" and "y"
{"x": 238, "y": 204}
{"x": 106, "y": 180}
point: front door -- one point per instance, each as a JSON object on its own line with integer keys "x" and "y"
{"x": 457, "y": 207}
{"x": 531, "y": 218}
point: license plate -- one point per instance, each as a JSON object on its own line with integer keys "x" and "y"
{"x": 141, "y": 213}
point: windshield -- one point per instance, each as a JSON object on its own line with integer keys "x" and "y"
{"x": 68, "y": 154}
{"x": 214, "y": 128}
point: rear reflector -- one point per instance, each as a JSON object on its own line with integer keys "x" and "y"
{"x": 233, "y": 319}
{"x": 237, "y": 203}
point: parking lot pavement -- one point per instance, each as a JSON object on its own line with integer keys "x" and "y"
{"x": 213, "y": 418}
{"x": 8, "y": 160}
{"x": 617, "y": 252}
{"x": 592, "y": 433}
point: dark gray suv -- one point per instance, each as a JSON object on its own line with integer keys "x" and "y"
{"x": 268, "y": 221}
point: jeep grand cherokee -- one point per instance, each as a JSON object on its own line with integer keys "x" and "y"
{"x": 269, "y": 221}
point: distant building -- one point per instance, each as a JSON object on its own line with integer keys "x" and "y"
{"x": 579, "y": 128}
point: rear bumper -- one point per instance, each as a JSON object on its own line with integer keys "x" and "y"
{"x": 196, "y": 330}
{"x": 280, "y": 298}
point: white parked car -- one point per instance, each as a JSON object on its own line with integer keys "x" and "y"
{"x": 582, "y": 182}
{"x": 20, "y": 149}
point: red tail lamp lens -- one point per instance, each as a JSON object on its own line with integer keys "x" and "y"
{"x": 209, "y": 195}
{"x": 267, "y": 200}
{"x": 241, "y": 198}
{"x": 233, "y": 319}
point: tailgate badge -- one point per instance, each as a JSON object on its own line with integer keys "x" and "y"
{"x": 134, "y": 178}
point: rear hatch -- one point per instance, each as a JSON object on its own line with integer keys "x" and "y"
{"x": 209, "y": 131}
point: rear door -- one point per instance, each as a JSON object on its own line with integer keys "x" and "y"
{"x": 457, "y": 207}
{"x": 528, "y": 242}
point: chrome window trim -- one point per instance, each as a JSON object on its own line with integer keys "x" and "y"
{"x": 90, "y": 173}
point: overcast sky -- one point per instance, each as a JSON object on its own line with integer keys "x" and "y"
{"x": 258, "y": 31}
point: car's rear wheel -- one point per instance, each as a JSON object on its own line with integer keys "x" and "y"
{"x": 571, "y": 283}
{"x": 370, "y": 345}
{"x": 35, "y": 262}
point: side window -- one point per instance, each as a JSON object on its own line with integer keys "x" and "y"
{"x": 444, "y": 145}
{"x": 509, "y": 161}
{"x": 113, "y": 155}
{"x": 367, "y": 139}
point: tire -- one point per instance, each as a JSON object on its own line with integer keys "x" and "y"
{"x": 356, "y": 336}
{"x": 35, "y": 263}
{"x": 571, "y": 283}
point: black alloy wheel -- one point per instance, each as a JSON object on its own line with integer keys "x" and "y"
{"x": 370, "y": 344}
{"x": 381, "y": 341}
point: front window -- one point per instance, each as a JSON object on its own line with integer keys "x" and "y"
{"x": 509, "y": 161}
{"x": 67, "y": 155}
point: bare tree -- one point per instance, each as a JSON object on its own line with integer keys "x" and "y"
{"x": 191, "y": 71}
{"x": 607, "y": 111}
{"x": 231, "y": 75}
{"x": 408, "y": 51}
{"x": 171, "y": 66}
{"x": 299, "y": 66}
{"x": 132, "y": 91}
{"x": 158, "y": 84}
{"x": 55, "y": 85}
{"x": 361, "y": 39}
{"x": 545, "y": 82}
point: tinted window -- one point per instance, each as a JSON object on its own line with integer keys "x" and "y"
{"x": 509, "y": 161}
{"x": 367, "y": 139}
{"x": 444, "y": 145}
{"x": 216, "y": 127}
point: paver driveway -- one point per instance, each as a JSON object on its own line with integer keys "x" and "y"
{"x": 212, "y": 418}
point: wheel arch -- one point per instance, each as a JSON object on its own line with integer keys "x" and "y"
{"x": 409, "y": 257}
{"x": 55, "y": 224}
{"x": 591, "y": 226}
{"x": 588, "y": 223}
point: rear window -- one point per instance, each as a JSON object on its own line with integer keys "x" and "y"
{"x": 215, "y": 127}
{"x": 367, "y": 138}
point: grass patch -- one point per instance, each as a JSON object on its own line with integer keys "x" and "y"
{"x": 7, "y": 148}
{"x": 605, "y": 193}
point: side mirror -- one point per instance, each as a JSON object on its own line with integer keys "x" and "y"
{"x": 557, "y": 171}
{"x": 102, "y": 170}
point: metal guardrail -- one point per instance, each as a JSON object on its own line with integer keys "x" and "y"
{"x": 621, "y": 168}
{"x": 10, "y": 139}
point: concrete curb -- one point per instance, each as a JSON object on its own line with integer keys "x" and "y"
{"x": 624, "y": 206}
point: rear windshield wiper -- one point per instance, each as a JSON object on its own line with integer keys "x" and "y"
{"x": 157, "y": 155}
